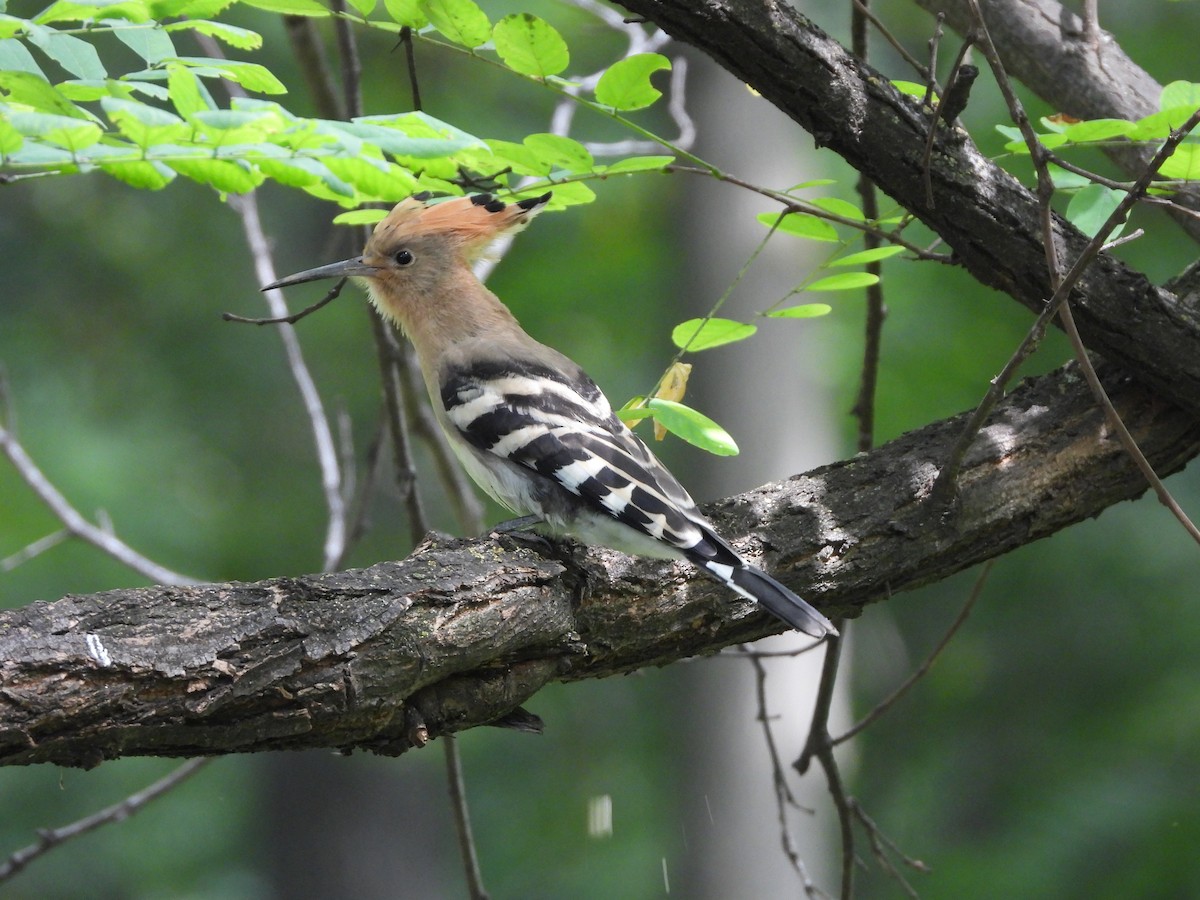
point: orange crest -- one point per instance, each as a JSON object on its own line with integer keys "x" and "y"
{"x": 472, "y": 222}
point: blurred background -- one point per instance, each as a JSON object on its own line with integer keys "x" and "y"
{"x": 1054, "y": 751}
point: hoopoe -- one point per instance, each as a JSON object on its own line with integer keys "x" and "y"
{"x": 528, "y": 424}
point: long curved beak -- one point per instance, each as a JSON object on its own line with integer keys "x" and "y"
{"x": 341, "y": 269}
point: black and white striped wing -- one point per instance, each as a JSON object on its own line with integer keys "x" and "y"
{"x": 561, "y": 426}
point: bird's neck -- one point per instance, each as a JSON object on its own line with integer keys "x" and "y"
{"x": 457, "y": 310}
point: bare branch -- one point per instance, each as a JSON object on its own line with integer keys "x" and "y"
{"x": 74, "y": 522}
{"x": 50, "y": 838}
{"x": 246, "y": 207}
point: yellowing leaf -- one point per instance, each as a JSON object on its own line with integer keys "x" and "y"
{"x": 672, "y": 387}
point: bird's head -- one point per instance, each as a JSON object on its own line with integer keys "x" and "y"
{"x": 420, "y": 246}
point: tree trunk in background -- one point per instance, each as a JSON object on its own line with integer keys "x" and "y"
{"x": 770, "y": 394}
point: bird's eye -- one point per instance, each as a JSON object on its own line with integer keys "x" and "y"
{"x": 403, "y": 257}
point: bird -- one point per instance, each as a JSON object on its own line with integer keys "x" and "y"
{"x": 527, "y": 423}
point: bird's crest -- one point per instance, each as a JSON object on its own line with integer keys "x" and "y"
{"x": 472, "y": 222}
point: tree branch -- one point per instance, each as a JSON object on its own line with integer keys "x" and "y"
{"x": 988, "y": 218}
{"x": 464, "y": 631}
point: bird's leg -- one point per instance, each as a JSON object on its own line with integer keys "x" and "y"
{"x": 521, "y": 523}
{"x": 534, "y": 533}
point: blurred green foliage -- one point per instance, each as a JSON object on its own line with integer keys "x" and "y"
{"x": 1053, "y": 752}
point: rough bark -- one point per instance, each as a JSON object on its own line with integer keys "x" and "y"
{"x": 462, "y": 632}
{"x": 1045, "y": 45}
{"x": 989, "y": 219}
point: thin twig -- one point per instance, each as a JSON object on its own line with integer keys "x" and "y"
{"x": 72, "y": 520}
{"x": 292, "y": 318}
{"x": 1114, "y": 419}
{"x": 410, "y": 57}
{"x": 48, "y": 839}
{"x": 246, "y": 207}
{"x": 936, "y": 117}
{"x": 934, "y": 41}
{"x": 793, "y": 204}
{"x": 783, "y": 794}
{"x": 819, "y": 746}
{"x": 403, "y": 468}
{"x": 881, "y": 844}
{"x": 923, "y": 669}
{"x": 919, "y": 67}
{"x": 34, "y": 548}
{"x": 462, "y": 818}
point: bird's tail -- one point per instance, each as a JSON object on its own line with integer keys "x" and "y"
{"x": 756, "y": 585}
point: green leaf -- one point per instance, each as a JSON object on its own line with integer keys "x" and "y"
{"x": 363, "y": 7}
{"x": 148, "y": 176}
{"x": 15, "y": 57}
{"x": 290, "y": 7}
{"x": 521, "y": 159}
{"x": 90, "y": 91}
{"x": 76, "y": 56}
{"x": 251, "y": 76}
{"x": 912, "y": 89}
{"x": 184, "y": 90}
{"x": 840, "y": 207}
{"x": 801, "y": 225}
{"x": 33, "y": 90}
{"x": 695, "y": 335}
{"x": 1180, "y": 94}
{"x": 226, "y": 176}
{"x": 35, "y": 154}
{"x": 407, "y": 13}
{"x": 639, "y": 164}
{"x": 360, "y": 217}
{"x": 633, "y": 411}
{"x": 571, "y": 193}
{"x": 393, "y": 138}
{"x": 844, "y": 281}
{"x": 142, "y": 124}
{"x": 241, "y": 38}
{"x": 815, "y": 182}
{"x": 868, "y": 256}
{"x": 300, "y": 172}
{"x": 694, "y": 427}
{"x": 626, "y": 84}
{"x": 560, "y": 152}
{"x": 1183, "y": 164}
{"x": 530, "y": 45}
{"x": 65, "y": 131}
{"x": 461, "y": 21}
{"x": 803, "y": 311}
{"x": 90, "y": 10}
{"x": 374, "y": 179}
{"x": 152, "y": 44}
{"x": 1157, "y": 125}
{"x": 1064, "y": 180}
{"x": 1098, "y": 130}
{"x": 1091, "y": 207}
{"x": 1017, "y": 143}
{"x": 10, "y": 139}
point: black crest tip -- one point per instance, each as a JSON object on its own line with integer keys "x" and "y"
{"x": 495, "y": 206}
{"x": 422, "y": 196}
{"x": 481, "y": 199}
{"x": 531, "y": 202}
